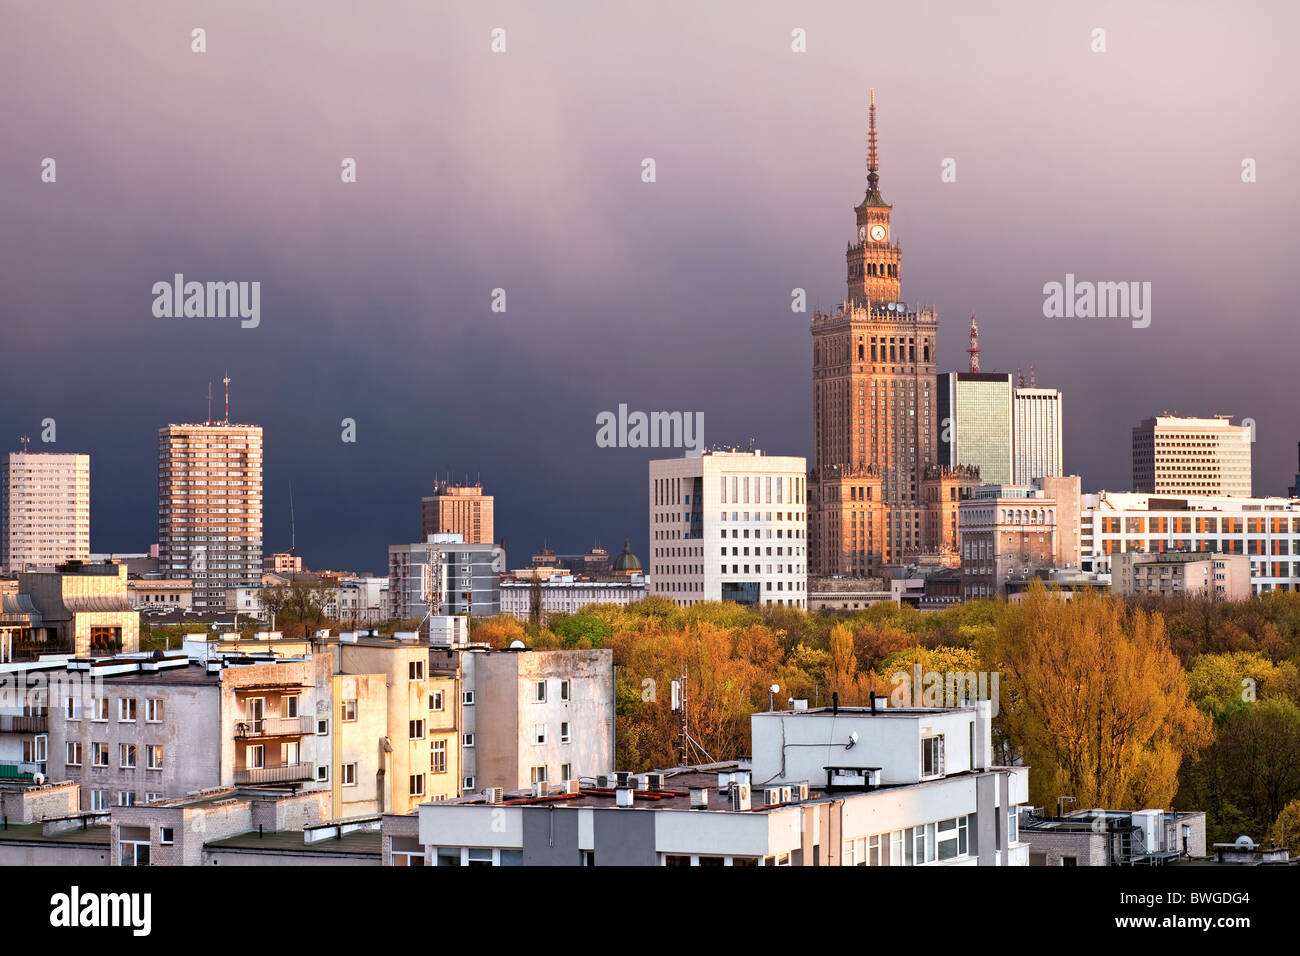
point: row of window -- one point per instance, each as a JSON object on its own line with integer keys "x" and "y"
{"x": 127, "y": 755}
{"x": 127, "y": 710}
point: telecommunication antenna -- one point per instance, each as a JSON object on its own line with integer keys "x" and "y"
{"x": 208, "y": 420}
{"x": 431, "y": 579}
{"x": 293, "y": 538}
{"x": 226, "y": 380}
{"x": 680, "y": 706}
{"x": 26, "y": 440}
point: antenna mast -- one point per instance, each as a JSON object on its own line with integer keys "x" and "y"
{"x": 226, "y": 380}
{"x": 974, "y": 349}
{"x": 293, "y": 538}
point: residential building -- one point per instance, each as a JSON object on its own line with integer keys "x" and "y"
{"x": 917, "y": 787}
{"x": 1113, "y": 837}
{"x": 78, "y": 609}
{"x": 283, "y": 562}
{"x": 157, "y": 594}
{"x": 975, "y": 412}
{"x": 461, "y": 578}
{"x": 729, "y": 526}
{"x": 358, "y": 600}
{"x": 532, "y": 716}
{"x": 1036, "y": 440}
{"x": 458, "y": 509}
{"x": 210, "y": 508}
{"x": 1192, "y": 456}
{"x": 1266, "y": 530}
{"x": 1198, "y": 574}
{"x": 44, "y": 509}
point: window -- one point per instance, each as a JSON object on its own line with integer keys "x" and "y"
{"x": 539, "y": 692}
{"x": 349, "y": 711}
{"x": 126, "y": 798}
{"x": 151, "y": 797}
{"x": 415, "y": 670}
{"x": 417, "y": 784}
{"x": 467, "y": 740}
{"x": 932, "y": 756}
{"x": 153, "y": 756}
{"x": 564, "y": 732}
{"x": 134, "y": 852}
{"x": 99, "y": 755}
{"x": 35, "y": 750}
{"x": 467, "y": 783}
{"x": 538, "y": 774}
{"x": 126, "y": 710}
{"x": 166, "y": 835}
{"x": 99, "y": 799}
{"x": 566, "y": 771}
{"x": 289, "y": 705}
{"x": 349, "y": 775}
{"x": 1013, "y": 825}
{"x": 438, "y": 756}
{"x": 322, "y": 728}
{"x": 153, "y": 710}
{"x": 72, "y": 708}
{"x": 323, "y": 774}
{"x": 467, "y": 698}
{"x": 125, "y": 758}
{"x": 564, "y": 690}
{"x": 437, "y": 703}
{"x": 74, "y": 754}
{"x": 101, "y": 709}
{"x": 539, "y": 734}
{"x": 953, "y": 838}
{"x": 417, "y": 729}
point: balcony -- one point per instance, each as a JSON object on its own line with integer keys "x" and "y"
{"x": 251, "y": 728}
{"x": 289, "y": 773}
{"x": 23, "y": 724}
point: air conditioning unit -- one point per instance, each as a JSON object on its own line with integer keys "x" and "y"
{"x": 799, "y": 793}
{"x": 740, "y": 797}
{"x": 772, "y": 796}
{"x": 541, "y": 789}
{"x": 699, "y": 798}
{"x": 494, "y": 794}
{"x": 572, "y": 787}
{"x": 787, "y": 795}
{"x": 654, "y": 781}
{"x": 624, "y": 778}
{"x": 607, "y": 781}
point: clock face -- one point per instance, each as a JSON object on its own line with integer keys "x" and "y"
{"x": 877, "y": 232}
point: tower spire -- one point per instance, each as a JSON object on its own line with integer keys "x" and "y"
{"x": 873, "y": 165}
{"x": 974, "y": 349}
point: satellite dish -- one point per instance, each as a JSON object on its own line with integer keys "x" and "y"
{"x": 38, "y": 778}
{"x": 1244, "y": 842}
{"x": 517, "y": 646}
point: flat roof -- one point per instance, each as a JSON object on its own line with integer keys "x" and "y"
{"x": 366, "y": 842}
{"x": 97, "y": 834}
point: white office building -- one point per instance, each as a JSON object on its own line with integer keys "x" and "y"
{"x": 1036, "y": 443}
{"x": 44, "y": 509}
{"x": 729, "y": 526}
{"x": 1192, "y": 456}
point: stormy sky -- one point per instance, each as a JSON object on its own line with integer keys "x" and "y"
{"x": 522, "y": 170}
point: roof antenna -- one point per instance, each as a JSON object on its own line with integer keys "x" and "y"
{"x": 293, "y": 537}
{"x": 208, "y": 420}
{"x": 974, "y": 349}
{"x": 1031, "y": 377}
{"x": 227, "y": 381}
{"x": 1020, "y": 378}
{"x": 25, "y": 442}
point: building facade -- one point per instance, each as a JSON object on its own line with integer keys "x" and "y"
{"x": 1197, "y": 574}
{"x": 1036, "y": 442}
{"x": 565, "y": 594}
{"x": 1011, "y": 533}
{"x": 729, "y": 526}
{"x": 462, "y": 578}
{"x": 1192, "y": 456}
{"x": 975, "y": 412}
{"x": 210, "y": 508}
{"x": 44, "y": 510}
{"x": 1265, "y": 530}
{"x": 458, "y": 509}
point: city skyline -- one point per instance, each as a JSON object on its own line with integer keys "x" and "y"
{"x": 375, "y": 302}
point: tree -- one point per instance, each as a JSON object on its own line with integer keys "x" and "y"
{"x": 1100, "y": 709}
{"x": 298, "y": 606}
{"x": 1285, "y": 830}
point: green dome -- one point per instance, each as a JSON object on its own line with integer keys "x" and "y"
{"x": 627, "y": 561}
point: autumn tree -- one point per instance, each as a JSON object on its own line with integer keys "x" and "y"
{"x": 1100, "y": 710}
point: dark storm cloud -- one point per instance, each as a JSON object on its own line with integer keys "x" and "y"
{"x": 522, "y": 171}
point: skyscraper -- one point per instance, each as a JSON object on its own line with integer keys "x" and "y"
{"x": 976, "y": 421}
{"x": 1192, "y": 456}
{"x": 876, "y": 430}
{"x": 458, "y": 509}
{"x": 44, "y": 509}
{"x": 1037, "y": 440}
{"x": 210, "y": 507}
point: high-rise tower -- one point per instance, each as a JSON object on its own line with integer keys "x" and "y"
{"x": 875, "y": 486}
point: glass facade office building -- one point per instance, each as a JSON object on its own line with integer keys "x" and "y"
{"x": 975, "y": 423}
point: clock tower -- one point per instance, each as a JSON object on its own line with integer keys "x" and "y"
{"x": 874, "y": 261}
